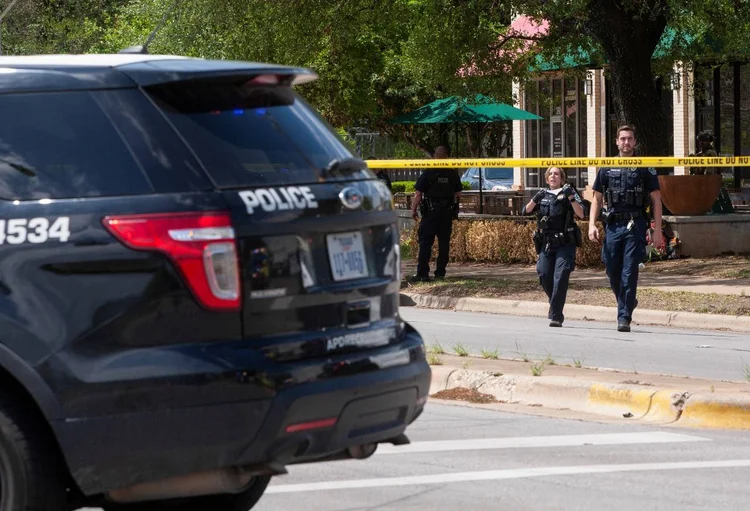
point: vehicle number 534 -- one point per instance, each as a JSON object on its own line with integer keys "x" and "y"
{"x": 34, "y": 230}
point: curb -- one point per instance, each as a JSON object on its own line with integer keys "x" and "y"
{"x": 579, "y": 312}
{"x": 649, "y": 404}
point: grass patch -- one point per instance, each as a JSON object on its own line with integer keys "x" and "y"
{"x": 537, "y": 368}
{"x": 581, "y": 294}
{"x": 490, "y": 355}
{"x": 460, "y": 350}
{"x": 437, "y": 349}
{"x": 746, "y": 371}
{"x": 522, "y": 354}
{"x": 406, "y": 251}
{"x": 434, "y": 359}
{"x": 578, "y": 362}
{"x": 549, "y": 360}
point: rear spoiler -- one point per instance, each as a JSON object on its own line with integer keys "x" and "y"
{"x": 157, "y": 72}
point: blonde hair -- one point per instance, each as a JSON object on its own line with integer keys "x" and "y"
{"x": 562, "y": 174}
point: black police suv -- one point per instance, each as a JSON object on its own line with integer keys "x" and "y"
{"x": 198, "y": 286}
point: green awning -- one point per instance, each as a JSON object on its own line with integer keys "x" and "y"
{"x": 455, "y": 109}
{"x": 570, "y": 61}
{"x": 581, "y": 58}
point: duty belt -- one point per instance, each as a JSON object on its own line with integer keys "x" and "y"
{"x": 618, "y": 217}
{"x": 435, "y": 203}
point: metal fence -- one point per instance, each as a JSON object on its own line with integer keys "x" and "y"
{"x": 505, "y": 203}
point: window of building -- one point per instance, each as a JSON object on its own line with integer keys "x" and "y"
{"x": 562, "y": 132}
{"x": 726, "y": 122}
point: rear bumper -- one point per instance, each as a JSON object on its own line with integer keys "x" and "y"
{"x": 383, "y": 391}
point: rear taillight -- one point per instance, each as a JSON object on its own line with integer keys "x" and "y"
{"x": 200, "y": 244}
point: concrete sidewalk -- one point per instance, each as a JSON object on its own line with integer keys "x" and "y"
{"x": 691, "y": 402}
{"x": 594, "y": 278}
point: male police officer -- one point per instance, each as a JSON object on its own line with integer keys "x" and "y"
{"x": 705, "y": 146}
{"x": 436, "y": 193}
{"x": 626, "y": 191}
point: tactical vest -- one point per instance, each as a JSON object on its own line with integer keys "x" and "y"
{"x": 440, "y": 185}
{"x": 624, "y": 189}
{"x": 554, "y": 207}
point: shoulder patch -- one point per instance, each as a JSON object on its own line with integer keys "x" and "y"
{"x": 652, "y": 171}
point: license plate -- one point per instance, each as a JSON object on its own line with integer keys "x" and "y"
{"x": 346, "y": 253}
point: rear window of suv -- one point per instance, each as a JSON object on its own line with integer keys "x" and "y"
{"x": 62, "y": 145}
{"x": 249, "y": 134}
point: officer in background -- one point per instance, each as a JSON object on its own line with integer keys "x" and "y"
{"x": 556, "y": 239}
{"x": 437, "y": 194}
{"x": 382, "y": 175}
{"x": 626, "y": 191}
{"x": 705, "y": 146}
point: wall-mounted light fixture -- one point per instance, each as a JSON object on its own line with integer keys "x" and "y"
{"x": 674, "y": 81}
{"x": 588, "y": 87}
{"x": 588, "y": 84}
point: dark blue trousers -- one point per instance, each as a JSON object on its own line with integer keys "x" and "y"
{"x": 438, "y": 222}
{"x": 554, "y": 267}
{"x": 622, "y": 252}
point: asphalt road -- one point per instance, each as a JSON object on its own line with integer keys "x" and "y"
{"x": 706, "y": 354}
{"x": 477, "y": 459}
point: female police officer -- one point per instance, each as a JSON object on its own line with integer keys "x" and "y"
{"x": 556, "y": 238}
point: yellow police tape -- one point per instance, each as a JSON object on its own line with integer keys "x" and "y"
{"x": 648, "y": 161}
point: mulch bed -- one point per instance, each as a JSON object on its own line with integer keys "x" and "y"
{"x": 464, "y": 394}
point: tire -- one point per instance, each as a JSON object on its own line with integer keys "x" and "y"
{"x": 226, "y": 502}
{"x": 31, "y": 471}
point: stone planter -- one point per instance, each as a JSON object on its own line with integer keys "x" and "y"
{"x": 689, "y": 195}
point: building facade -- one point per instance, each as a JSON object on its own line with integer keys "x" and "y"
{"x": 579, "y": 121}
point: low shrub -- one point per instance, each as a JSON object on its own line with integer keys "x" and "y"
{"x": 403, "y": 186}
{"x": 408, "y": 186}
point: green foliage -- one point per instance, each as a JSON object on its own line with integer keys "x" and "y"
{"x": 377, "y": 59}
{"x": 56, "y": 26}
{"x": 408, "y": 186}
{"x": 460, "y": 350}
{"x": 403, "y": 186}
{"x": 491, "y": 355}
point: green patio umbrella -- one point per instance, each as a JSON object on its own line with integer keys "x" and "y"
{"x": 454, "y": 109}
{"x": 451, "y": 110}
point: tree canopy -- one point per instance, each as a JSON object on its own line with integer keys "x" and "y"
{"x": 380, "y": 58}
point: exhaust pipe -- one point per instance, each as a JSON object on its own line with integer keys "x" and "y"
{"x": 362, "y": 452}
{"x": 229, "y": 480}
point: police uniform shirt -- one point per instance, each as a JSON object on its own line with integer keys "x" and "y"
{"x": 440, "y": 184}
{"x": 555, "y": 205}
{"x": 628, "y": 175}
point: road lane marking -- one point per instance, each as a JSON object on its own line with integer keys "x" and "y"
{"x": 447, "y": 324}
{"x": 497, "y": 475}
{"x": 651, "y": 437}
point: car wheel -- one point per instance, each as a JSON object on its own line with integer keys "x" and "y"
{"x": 225, "y": 502}
{"x": 31, "y": 477}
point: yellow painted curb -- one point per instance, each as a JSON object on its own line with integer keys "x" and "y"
{"x": 727, "y": 413}
{"x": 642, "y": 404}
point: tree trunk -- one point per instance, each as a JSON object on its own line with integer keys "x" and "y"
{"x": 628, "y": 39}
{"x": 473, "y": 140}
